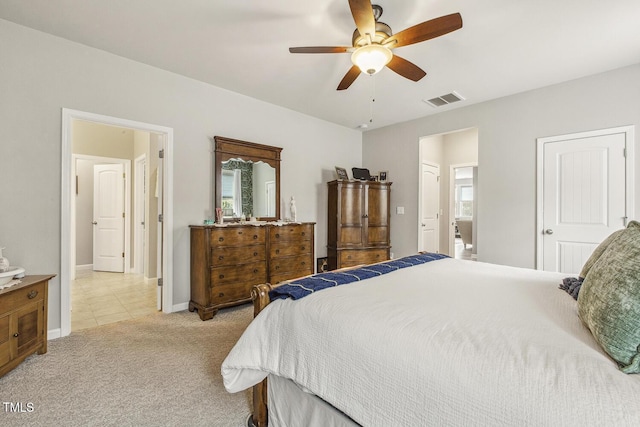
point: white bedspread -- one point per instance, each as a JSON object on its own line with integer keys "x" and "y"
{"x": 444, "y": 343}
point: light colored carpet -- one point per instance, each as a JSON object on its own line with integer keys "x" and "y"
{"x": 158, "y": 370}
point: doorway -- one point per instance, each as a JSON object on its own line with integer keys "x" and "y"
{"x": 585, "y": 191}
{"x": 449, "y": 151}
{"x": 164, "y": 138}
{"x": 463, "y": 190}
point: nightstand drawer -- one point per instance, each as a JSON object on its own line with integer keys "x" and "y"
{"x": 22, "y": 296}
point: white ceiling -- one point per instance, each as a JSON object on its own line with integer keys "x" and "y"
{"x": 504, "y": 47}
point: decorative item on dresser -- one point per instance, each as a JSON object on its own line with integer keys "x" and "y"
{"x": 358, "y": 216}
{"x": 227, "y": 261}
{"x": 23, "y": 321}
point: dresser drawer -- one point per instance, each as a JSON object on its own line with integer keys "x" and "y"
{"x": 233, "y": 255}
{"x": 250, "y": 274}
{"x": 294, "y": 232}
{"x": 283, "y": 249}
{"x": 350, "y": 258}
{"x": 293, "y": 263}
{"x": 281, "y": 277}
{"x": 237, "y": 236}
{"x": 22, "y": 296}
{"x": 229, "y": 293}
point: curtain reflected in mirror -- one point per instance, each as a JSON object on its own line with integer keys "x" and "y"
{"x": 248, "y": 189}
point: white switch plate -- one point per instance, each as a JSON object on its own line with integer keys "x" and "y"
{"x": 400, "y": 210}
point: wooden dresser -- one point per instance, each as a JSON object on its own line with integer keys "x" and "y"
{"x": 227, "y": 261}
{"x": 23, "y": 321}
{"x": 358, "y": 223}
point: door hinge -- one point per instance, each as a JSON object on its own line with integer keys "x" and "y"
{"x": 122, "y": 254}
{"x": 438, "y": 178}
{"x": 160, "y": 217}
{"x": 161, "y": 154}
{"x": 124, "y": 175}
{"x": 122, "y": 214}
{"x": 160, "y": 282}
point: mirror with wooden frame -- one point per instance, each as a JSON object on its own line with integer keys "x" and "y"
{"x": 247, "y": 179}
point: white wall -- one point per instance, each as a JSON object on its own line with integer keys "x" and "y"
{"x": 41, "y": 74}
{"x": 507, "y": 132}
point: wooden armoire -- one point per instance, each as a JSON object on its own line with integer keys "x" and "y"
{"x": 358, "y": 223}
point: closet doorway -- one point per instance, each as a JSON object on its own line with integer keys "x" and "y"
{"x": 139, "y": 282}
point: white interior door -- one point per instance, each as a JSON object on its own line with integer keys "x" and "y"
{"x": 108, "y": 217}
{"x": 430, "y": 209}
{"x": 583, "y": 197}
{"x": 140, "y": 195}
{"x": 160, "y": 245}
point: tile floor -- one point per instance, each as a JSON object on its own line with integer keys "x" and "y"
{"x": 462, "y": 252}
{"x": 99, "y": 298}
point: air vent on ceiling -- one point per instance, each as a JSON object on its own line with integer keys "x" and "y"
{"x": 447, "y": 99}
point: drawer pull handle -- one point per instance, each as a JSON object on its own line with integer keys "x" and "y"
{"x": 303, "y": 233}
{"x": 255, "y": 236}
{"x": 277, "y": 236}
{"x": 348, "y": 256}
{"x": 32, "y": 294}
{"x": 302, "y": 248}
{"x": 303, "y": 263}
{"x": 255, "y": 270}
{"x": 221, "y": 294}
{"x": 377, "y": 255}
{"x": 220, "y": 257}
{"x": 220, "y": 239}
{"x": 277, "y": 267}
{"x": 221, "y": 276}
{"x": 255, "y": 254}
{"x": 16, "y": 334}
{"x": 277, "y": 251}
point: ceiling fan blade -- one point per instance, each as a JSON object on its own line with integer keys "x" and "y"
{"x": 363, "y": 16}
{"x": 425, "y": 31}
{"x": 320, "y": 49}
{"x": 406, "y": 69}
{"x": 349, "y": 78}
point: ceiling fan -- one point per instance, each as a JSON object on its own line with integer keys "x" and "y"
{"x": 373, "y": 40}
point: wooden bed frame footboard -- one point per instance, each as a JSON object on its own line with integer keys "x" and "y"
{"x": 259, "y": 417}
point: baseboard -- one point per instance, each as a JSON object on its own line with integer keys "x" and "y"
{"x": 84, "y": 267}
{"x": 52, "y": 334}
{"x": 180, "y": 307}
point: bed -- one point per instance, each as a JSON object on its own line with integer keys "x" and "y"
{"x": 446, "y": 342}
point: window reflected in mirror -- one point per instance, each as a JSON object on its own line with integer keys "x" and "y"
{"x": 248, "y": 188}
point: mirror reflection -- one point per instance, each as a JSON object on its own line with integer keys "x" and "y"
{"x": 247, "y": 179}
{"x": 248, "y": 188}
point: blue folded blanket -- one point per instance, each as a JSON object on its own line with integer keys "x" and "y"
{"x": 300, "y": 288}
{"x": 572, "y": 286}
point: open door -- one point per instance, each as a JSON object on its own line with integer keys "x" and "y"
{"x": 160, "y": 227}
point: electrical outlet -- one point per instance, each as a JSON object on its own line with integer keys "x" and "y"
{"x": 400, "y": 210}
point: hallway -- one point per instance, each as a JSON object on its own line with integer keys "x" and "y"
{"x": 99, "y": 298}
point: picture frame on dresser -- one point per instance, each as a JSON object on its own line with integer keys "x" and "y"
{"x": 342, "y": 174}
{"x": 382, "y": 176}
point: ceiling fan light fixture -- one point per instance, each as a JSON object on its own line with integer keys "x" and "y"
{"x": 371, "y": 58}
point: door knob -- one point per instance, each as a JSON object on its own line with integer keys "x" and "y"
{"x": 548, "y": 231}
{"x": 95, "y": 223}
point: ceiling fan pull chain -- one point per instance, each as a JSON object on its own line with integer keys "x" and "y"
{"x": 373, "y": 97}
